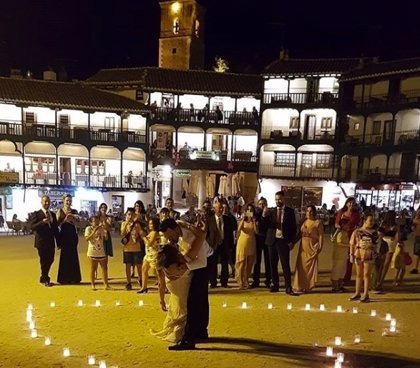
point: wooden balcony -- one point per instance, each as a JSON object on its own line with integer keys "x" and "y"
{"x": 291, "y": 136}
{"x": 203, "y": 118}
{"x": 377, "y": 175}
{"x": 74, "y": 134}
{"x": 400, "y": 137}
{"x": 302, "y": 172}
{"x": 304, "y": 98}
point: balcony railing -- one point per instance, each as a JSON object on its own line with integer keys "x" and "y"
{"x": 294, "y": 134}
{"x": 78, "y": 133}
{"x": 373, "y": 175}
{"x": 192, "y": 116}
{"x": 273, "y": 171}
{"x": 412, "y": 96}
{"x": 399, "y": 138}
{"x": 319, "y": 98}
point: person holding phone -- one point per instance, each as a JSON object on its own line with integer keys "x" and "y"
{"x": 246, "y": 247}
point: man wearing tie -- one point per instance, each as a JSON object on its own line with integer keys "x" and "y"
{"x": 44, "y": 224}
{"x": 281, "y": 235}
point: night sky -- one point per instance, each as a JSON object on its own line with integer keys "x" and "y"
{"x": 83, "y": 36}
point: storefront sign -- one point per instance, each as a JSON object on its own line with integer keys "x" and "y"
{"x": 179, "y": 173}
{"x": 54, "y": 193}
{"x": 9, "y": 177}
{"x": 205, "y": 155}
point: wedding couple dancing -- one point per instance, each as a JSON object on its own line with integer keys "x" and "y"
{"x": 182, "y": 268}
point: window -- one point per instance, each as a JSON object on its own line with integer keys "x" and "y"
{"x": 376, "y": 127}
{"x": 356, "y": 126}
{"x": 175, "y": 27}
{"x": 282, "y": 159}
{"x": 323, "y": 161}
{"x": 174, "y": 51}
{"x": 63, "y": 119}
{"x": 109, "y": 123}
{"x": 30, "y": 117}
{"x": 294, "y": 123}
{"x": 326, "y": 123}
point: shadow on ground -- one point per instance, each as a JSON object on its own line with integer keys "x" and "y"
{"x": 307, "y": 356}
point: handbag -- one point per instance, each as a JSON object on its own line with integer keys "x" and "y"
{"x": 125, "y": 239}
{"x": 407, "y": 259}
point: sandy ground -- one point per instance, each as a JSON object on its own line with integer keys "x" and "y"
{"x": 253, "y": 337}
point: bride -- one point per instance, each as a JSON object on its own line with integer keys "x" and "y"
{"x": 173, "y": 271}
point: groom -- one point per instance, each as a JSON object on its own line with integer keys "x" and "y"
{"x": 193, "y": 245}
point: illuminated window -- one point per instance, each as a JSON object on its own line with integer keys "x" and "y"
{"x": 323, "y": 161}
{"x": 326, "y": 123}
{"x": 109, "y": 123}
{"x": 197, "y": 28}
{"x": 282, "y": 159}
{"x": 176, "y": 26}
{"x": 356, "y": 126}
{"x": 175, "y": 7}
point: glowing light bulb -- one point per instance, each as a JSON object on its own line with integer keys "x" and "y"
{"x": 244, "y": 305}
{"x": 289, "y": 306}
{"x": 270, "y": 306}
{"x": 98, "y": 303}
{"x": 52, "y": 304}
{"x": 224, "y": 305}
{"x": 141, "y": 303}
{"x": 117, "y": 303}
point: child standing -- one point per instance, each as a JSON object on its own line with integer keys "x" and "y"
{"x": 95, "y": 235}
{"x": 132, "y": 251}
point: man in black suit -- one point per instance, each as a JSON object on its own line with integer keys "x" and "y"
{"x": 225, "y": 229}
{"x": 45, "y": 227}
{"x": 281, "y": 236}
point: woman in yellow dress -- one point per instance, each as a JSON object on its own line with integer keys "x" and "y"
{"x": 246, "y": 247}
{"x": 310, "y": 246}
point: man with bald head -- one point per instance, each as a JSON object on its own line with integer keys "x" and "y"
{"x": 45, "y": 227}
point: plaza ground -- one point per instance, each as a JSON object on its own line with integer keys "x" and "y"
{"x": 252, "y": 337}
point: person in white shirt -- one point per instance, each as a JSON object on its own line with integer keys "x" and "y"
{"x": 192, "y": 244}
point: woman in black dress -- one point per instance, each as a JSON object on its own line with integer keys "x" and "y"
{"x": 69, "y": 267}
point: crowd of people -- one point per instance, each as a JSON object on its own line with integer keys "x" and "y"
{"x": 185, "y": 251}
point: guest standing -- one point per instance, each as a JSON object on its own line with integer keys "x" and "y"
{"x": 311, "y": 244}
{"x": 281, "y": 236}
{"x": 69, "y": 267}
{"x": 106, "y": 223}
{"x": 246, "y": 247}
{"x": 346, "y": 220}
{"x": 44, "y": 224}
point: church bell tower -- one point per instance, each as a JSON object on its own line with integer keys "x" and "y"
{"x": 181, "y": 41}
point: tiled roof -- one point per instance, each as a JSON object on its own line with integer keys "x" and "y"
{"x": 385, "y": 68}
{"x": 64, "y": 95}
{"x": 306, "y": 67}
{"x": 151, "y": 79}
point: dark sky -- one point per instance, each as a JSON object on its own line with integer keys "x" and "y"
{"x": 85, "y": 35}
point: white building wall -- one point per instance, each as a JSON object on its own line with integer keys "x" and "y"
{"x": 328, "y": 84}
{"x": 10, "y": 112}
{"x": 77, "y": 117}
{"x": 275, "y": 85}
{"x": 298, "y": 85}
{"x": 97, "y": 119}
{"x": 43, "y": 115}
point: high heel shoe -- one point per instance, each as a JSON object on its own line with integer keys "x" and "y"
{"x": 143, "y": 291}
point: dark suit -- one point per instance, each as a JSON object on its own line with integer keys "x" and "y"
{"x": 278, "y": 247}
{"x": 223, "y": 251}
{"x": 261, "y": 249}
{"x": 45, "y": 237}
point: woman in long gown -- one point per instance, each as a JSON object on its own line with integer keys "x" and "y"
{"x": 172, "y": 266}
{"x": 246, "y": 247}
{"x": 307, "y": 257}
{"x": 69, "y": 266}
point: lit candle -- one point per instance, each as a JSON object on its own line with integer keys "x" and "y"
{"x": 392, "y": 329}
{"x": 52, "y": 304}
{"x": 34, "y": 333}
{"x": 355, "y": 310}
{"x": 384, "y": 331}
{"x": 373, "y": 313}
{"x": 117, "y": 303}
{"x": 102, "y": 364}
{"x": 66, "y": 352}
{"x": 91, "y": 360}
{"x": 244, "y": 305}
{"x": 98, "y": 303}
{"x": 141, "y": 303}
{"x": 340, "y": 357}
{"x": 339, "y": 309}
{"x": 289, "y": 306}
{"x": 270, "y": 306}
{"x": 337, "y": 364}
{"x": 28, "y": 315}
{"x": 224, "y": 305}
{"x": 357, "y": 339}
{"x": 388, "y": 317}
{"x": 330, "y": 351}
{"x": 47, "y": 341}
{"x": 393, "y": 322}
{"x": 307, "y": 307}
{"x": 337, "y": 340}
{"x": 80, "y": 303}
{"x": 31, "y": 325}
{"x": 322, "y": 307}
{"x": 30, "y": 307}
